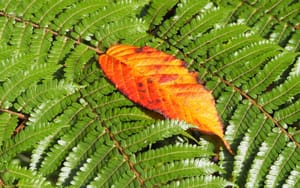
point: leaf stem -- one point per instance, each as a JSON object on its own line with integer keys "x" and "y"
{"x": 126, "y": 157}
{"x": 20, "y": 115}
{"x": 55, "y": 33}
{"x": 269, "y": 116}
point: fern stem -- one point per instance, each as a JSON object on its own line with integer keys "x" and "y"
{"x": 126, "y": 157}
{"x": 262, "y": 110}
{"x": 55, "y": 33}
{"x": 20, "y": 115}
{"x": 2, "y": 184}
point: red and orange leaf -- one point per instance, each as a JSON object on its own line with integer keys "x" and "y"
{"x": 160, "y": 82}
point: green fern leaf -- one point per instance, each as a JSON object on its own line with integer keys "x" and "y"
{"x": 184, "y": 11}
{"x": 206, "y": 181}
{"x": 64, "y": 144}
{"x": 7, "y": 126}
{"x": 37, "y": 94}
{"x": 281, "y": 94}
{"x": 156, "y": 11}
{"x": 10, "y": 65}
{"x": 78, "y": 11}
{"x": 180, "y": 169}
{"x": 125, "y": 30}
{"x": 268, "y": 151}
{"x": 167, "y": 154}
{"x": 74, "y": 129}
{"x": 293, "y": 179}
{"x": 288, "y": 115}
{"x": 282, "y": 166}
{"x": 27, "y": 177}
{"x": 15, "y": 85}
{"x": 139, "y": 141}
{"x": 27, "y": 139}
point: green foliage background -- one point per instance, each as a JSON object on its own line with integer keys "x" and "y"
{"x": 80, "y": 132}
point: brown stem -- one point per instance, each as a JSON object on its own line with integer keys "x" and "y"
{"x": 262, "y": 110}
{"x": 55, "y": 33}
{"x": 126, "y": 157}
{"x": 2, "y": 184}
{"x": 20, "y": 116}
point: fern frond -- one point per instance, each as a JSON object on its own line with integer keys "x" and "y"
{"x": 202, "y": 181}
{"x": 78, "y": 11}
{"x": 64, "y": 144}
{"x": 240, "y": 121}
{"x": 293, "y": 180}
{"x": 212, "y": 39}
{"x": 112, "y": 13}
{"x": 149, "y": 135}
{"x": 271, "y": 73}
{"x": 50, "y": 10}
{"x": 16, "y": 84}
{"x": 6, "y": 30}
{"x": 126, "y": 179}
{"x": 228, "y": 100}
{"x": 27, "y": 139}
{"x": 81, "y": 152}
{"x": 125, "y": 31}
{"x": 79, "y": 131}
{"x": 9, "y": 66}
{"x": 288, "y": 115}
{"x": 50, "y": 109}
{"x": 294, "y": 43}
{"x": 7, "y": 126}
{"x": 109, "y": 174}
{"x": 248, "y": 147}
{"x": 27, "y": 177}
{"x": 59, "y": 50}
{"x": 65, "y": 120}
{"x": 157, "y": 10}
{"x": 40, "y": 44}
{"x": 241, "y": 67}
{"x": 124, "y": 115}
{"x": 281, "y": 94}
{"x": 124, "y": 130}
{"x": 98, "y": 89}
{"x": 180, "y": 169}
{"x": 185, "y": 10}
{"x": 101, "y": 96}
{"x": 91, "y": 74}
{"x": 21, "y": 35}
{"x": 274, "y": 20}
{"x": 170, "y": 153}
{"x": 6, "y": 53}
{"x": 24, "y": 8}
{"x": 267, "y": 153}
{"x": 38, "y": 152}
{"x": 37, "y": 94}
{"x": 200, "y": 25}
{"x": 109, "y": 102}
{"x": 284, "y": 163}
{"x": 76, "y": 61}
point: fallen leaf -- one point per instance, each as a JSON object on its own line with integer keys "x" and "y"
{"x": 161, "y": 82}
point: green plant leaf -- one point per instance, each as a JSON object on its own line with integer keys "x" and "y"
{"x": 63, "y": 124}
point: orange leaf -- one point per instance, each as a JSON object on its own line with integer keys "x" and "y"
{"x": 160, "y": 82}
